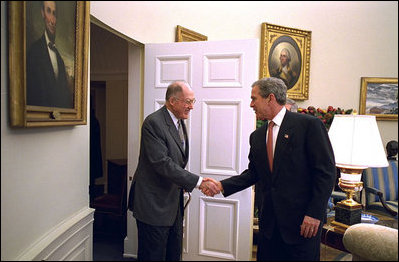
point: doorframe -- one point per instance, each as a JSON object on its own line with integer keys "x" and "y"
{"x": 135, "y": 119}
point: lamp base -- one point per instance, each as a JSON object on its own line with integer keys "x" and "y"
{"x": 348, "y": 215}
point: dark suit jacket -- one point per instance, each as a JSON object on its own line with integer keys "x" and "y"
{"x": 43, "y": 89}
{"x": 302, "y": 180}
{"x": 156, "y": 193}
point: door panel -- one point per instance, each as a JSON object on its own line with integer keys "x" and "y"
{"x": 217, "y": 117}
{"x": 221, "y": 74}
{"x": 218, "y": 228}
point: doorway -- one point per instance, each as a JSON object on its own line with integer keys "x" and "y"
{"x": 117, "y": 60}
{"x": 108, "y": 132}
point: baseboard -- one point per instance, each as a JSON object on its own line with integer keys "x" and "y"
{"x": 70, "y": 240}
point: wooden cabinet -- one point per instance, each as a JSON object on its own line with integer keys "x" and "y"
{"x": 117, "y": 173}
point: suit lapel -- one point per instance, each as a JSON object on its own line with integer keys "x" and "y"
{"x": 259, "y": 147}
{"x": 283, "y": 138}
{"x": 185, "y": 138}
{"x": 49, "y": 70}
{"x": 173, "y": 130}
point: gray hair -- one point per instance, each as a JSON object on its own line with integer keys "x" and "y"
{"x": 287, "y": 52}
{"x": 174, "y": 89}
{"x": 272, "y": 85}
{"x": 294, "y": 106}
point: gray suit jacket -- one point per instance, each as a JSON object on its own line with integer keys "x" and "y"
{"x": 156, "y": 193}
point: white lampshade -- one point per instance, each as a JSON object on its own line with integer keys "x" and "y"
{"x": 356, "y": 142}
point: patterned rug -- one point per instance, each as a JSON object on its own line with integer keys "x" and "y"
{"x": 332, "y": 254}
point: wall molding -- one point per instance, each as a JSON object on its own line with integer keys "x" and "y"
{"x": 72, "y": 239}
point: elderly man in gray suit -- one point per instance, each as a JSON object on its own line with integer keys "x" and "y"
{"x": 156, "y": 194}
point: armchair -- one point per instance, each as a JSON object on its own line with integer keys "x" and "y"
{"x": 381, "y": 189}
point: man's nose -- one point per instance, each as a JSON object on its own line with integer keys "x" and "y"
{"x": 53, "y": 19}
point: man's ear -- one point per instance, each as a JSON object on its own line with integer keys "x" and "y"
{"x": 172, "y": 100}
{"x": 272, "y": 97}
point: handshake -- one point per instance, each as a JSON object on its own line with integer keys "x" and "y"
{"x": 210, "y": 186}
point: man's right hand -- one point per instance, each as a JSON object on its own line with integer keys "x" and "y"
{"x": 210, "y": 186}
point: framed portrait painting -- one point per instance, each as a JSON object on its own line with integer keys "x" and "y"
{"x": 48, "y": 62}
{"x": 379, "y": 97}
{"x": 285, "y": 54}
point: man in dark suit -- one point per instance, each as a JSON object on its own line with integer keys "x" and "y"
{"x": 46, "y": 77}
{"x": 156, "y": 195}
{"x": 296, "y": 185}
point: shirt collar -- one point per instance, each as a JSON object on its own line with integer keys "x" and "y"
{"x": 278, "y": 119}
{"x": 174, "y": 119}
{"x": 47, "y": 39}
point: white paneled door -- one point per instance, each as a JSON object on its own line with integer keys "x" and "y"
{"x": 221, "y": 74}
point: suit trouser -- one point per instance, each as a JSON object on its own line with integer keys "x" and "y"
{"x": 160, "y": 243}
{"x": 275, "y": 249}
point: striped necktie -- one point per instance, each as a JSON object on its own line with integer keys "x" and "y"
{"x": 181, "y": 134}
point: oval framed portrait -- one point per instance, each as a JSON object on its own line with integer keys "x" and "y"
{"x": 285, "y": 60}
{"x": 285, "y": 54}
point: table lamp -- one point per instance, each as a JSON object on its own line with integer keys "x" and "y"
{"x": 357, "y": 145}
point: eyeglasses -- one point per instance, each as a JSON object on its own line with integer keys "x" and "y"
{"x": 187, "y": 101}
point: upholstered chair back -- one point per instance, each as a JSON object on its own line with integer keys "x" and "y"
{"x": 385, "y": 181}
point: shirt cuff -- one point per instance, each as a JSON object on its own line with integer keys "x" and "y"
{"x": 199, "y": 182}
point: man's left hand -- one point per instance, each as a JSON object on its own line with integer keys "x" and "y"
{"x": 309, "y": 227}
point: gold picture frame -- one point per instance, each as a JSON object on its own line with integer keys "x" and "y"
{"x": 292, "y": 43}
{"x": 379, "y": 97}
{"x": 26, "y": 27}
{"x": 187, "y": 35}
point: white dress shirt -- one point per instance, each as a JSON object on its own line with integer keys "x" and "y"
{"x": 175, "y": 121}
{"x": 278, "y": 119}
{"x": 53, "y": 56}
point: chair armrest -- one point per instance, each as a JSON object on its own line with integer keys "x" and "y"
{"x": 371, "y": 242}
{"x": 380, "y": 195}
{"x": 337, "y": 195}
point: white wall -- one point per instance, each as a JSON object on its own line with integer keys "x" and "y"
{"x": 350, "y": 40}
{"x": 44, "y": 175}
